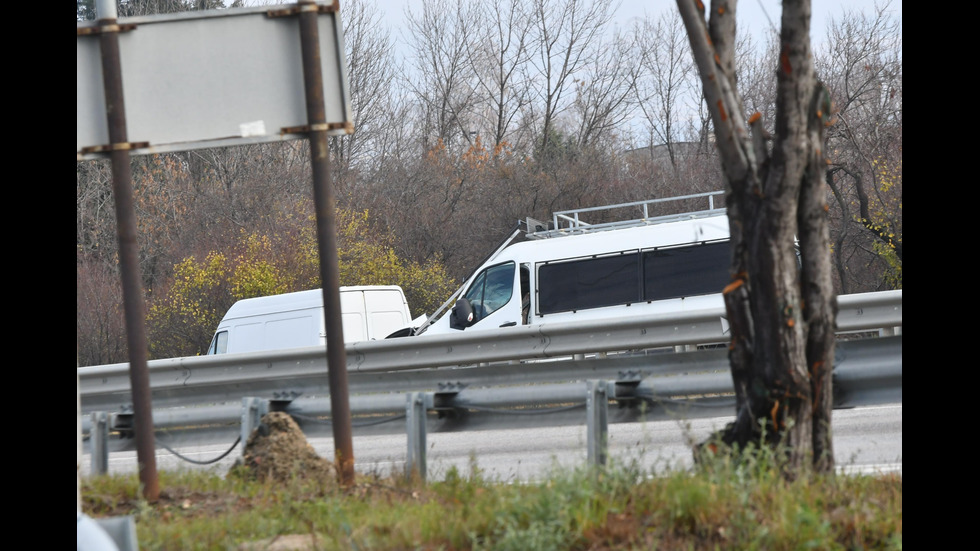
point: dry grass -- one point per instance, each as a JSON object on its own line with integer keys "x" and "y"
{"x": 730, "y": 504}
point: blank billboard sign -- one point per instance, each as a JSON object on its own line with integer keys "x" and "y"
{"x": 210, "y": 78}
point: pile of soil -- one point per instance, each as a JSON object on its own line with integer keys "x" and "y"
{"x": 278, "y": 451}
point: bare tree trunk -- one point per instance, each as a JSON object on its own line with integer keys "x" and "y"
{"x": 840, "y": 262}
{"x": 781, "y": 313}
{"x": 819, "y": 303}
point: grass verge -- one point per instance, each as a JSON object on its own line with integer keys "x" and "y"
{"x": 730, "y": 504}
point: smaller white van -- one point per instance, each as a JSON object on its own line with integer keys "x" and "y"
{"x": 293, "y": 320}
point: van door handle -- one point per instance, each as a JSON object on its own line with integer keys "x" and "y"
{"x": 509, "y": 324}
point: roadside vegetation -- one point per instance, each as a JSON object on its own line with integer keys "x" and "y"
{"x": 727, "y": 503}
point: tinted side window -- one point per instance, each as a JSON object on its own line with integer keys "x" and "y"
{"x": 686, "y": 271}
{"x": 588, "y": 283}
{"x": 491, "y": 289}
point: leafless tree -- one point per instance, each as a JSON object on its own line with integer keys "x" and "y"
{"x": 131, "y": 8}
{"x": 95, "y": 223}
{"x": 100, "y": 336}
{"x": 568, "y": 33}
{"x": 782, "y": 316}
{"x": 754, "y": 64}
{"x": 863, "y": 68}
{"x": 668, "y": 89}
{"x": 100, "y": 329}
{"x": 443, "y": 82}
{"x": 604, "y": 95}
{"x": 499, "y": 55}
{"x": 371, "y": 71}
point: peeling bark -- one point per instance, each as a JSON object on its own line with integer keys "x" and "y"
{"x": 781, "y": 312}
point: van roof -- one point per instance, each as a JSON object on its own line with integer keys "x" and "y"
{"x": 286, "y": 302}
{"x": 626, "y": 215}
{"x": 664, "y": 234}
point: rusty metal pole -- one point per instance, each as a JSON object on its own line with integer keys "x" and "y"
{"x": 122, "y": 189}
{"x": 325, "y": 205}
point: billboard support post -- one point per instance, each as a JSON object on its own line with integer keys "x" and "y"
{"x": 133, "y": 307}
{"x": 324, "y": 204}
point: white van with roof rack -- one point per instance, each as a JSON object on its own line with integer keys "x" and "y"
{"x": 571, "y": 270}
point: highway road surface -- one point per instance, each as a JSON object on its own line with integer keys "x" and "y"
{"x": 866, "y": 440}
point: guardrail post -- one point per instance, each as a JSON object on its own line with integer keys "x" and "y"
{"x": 99, "y": 436}
{"x": 253, "y": 409}
{"x": 415, "y": 418}
{"x": 597, "y": 406}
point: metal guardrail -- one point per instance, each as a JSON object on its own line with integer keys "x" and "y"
{"x": 278, "y": 374}
{"x": 470, "y": 380}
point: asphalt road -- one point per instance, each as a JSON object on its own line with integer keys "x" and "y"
{"x": 867, "y": 439}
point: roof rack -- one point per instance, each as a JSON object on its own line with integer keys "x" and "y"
{"x": 569, "y": 222}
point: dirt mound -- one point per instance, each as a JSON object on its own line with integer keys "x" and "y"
{"x": 277, "y": 450}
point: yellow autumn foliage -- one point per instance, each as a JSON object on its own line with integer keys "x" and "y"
{"x": 182, "y": 322}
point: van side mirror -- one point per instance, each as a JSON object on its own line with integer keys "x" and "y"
{"x": 462, "y": 315}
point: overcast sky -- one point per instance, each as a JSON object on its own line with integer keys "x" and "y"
{"x": 759, "y": 15}
{"x": 753, "y": 15}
